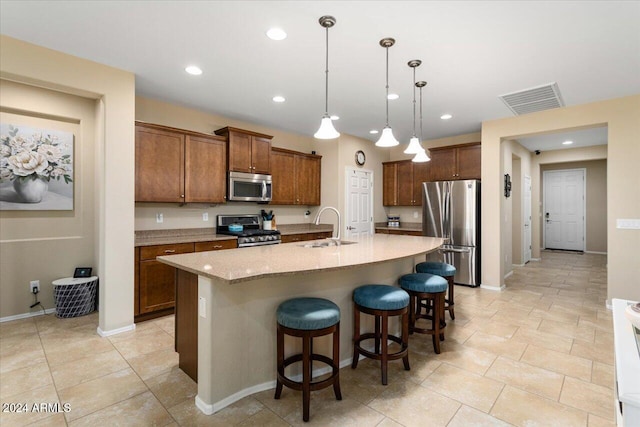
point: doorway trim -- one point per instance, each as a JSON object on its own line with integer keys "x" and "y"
{"x": 584, "y": 205}
{"x": 347, "y": 171}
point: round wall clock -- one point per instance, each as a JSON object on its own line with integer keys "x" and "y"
{"x": 360, "y": 157}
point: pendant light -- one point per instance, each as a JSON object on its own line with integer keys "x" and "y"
{"x": 414, "y": 146}
{"x": 327, "y": 131}
{"x": 387, "y": 139}
{"x": 422, "y": 156}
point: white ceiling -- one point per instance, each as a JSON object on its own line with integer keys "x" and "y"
{"x": 554, "y": 141}
{"x": 471, "y": 53}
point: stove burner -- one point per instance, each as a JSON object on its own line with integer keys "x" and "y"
{"x": 251, "y": 235}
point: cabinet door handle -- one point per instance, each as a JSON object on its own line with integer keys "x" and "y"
{"x": 217, "y": 246}
{"x": 169, "y": 251}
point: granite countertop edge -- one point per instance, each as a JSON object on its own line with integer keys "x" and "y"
{"x": 188, "y": 235}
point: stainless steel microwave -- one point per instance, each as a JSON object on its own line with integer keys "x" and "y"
{"x": 249, "y": 187}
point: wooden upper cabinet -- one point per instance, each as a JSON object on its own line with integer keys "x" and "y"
{"x": 390, "y": 184}
{"x": 421, "y": 173}
{"x": 159, "y": 165}
{"x": 469, "y": 162}
{"x": 307, "y": 180}
{"x": 282, "y": 182}
{"x": 402, "y": 182}
{"x": 456, "y": 162}
{"x": 405, "y": 183}
{"x": 295, "y": 177}
{"x": 174, "y": 165}
{"x": 261, "y": 154}
{"x": 249, "y": 151}
{"x": 443, "y": 164}
{"x": 205, "y": 170}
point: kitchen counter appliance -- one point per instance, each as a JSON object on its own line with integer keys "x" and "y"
{"x": 249, "y": 187}
{"x": 251, "y": 233}
{"x": 451, "y": 210}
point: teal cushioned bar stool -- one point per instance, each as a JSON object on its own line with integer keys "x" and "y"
{"x": 381, "y": 301}
{"x": 445, "y": 270}
{"x": 308, "y": 318}
{"x": 431, "y": 289}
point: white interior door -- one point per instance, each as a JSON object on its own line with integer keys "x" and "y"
{"x": 564, "y": 209}
{"x": 526, "y": 220}
{"x": 359, "y": 202}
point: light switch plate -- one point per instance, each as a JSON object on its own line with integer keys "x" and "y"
{"x": 628, "y": 224}
{"x": 205, "y": 216}
{"x": 159, "y": 218}
{"x": 202, "y": 307}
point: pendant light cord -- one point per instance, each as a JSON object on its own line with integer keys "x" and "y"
{"x": 414, "y": 114}
{"x": 387, "y": 87}
{"x": 326, "y": 75}
{"x": 414, "y": 103}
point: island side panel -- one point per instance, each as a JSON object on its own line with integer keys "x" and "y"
{"x": 236, "y": 340}
{"x": 186, "y": 319}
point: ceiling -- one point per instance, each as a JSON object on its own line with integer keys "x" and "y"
{"x": 471, "y": 53}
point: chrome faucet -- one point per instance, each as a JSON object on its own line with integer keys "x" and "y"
{"x": 317, "y": 221}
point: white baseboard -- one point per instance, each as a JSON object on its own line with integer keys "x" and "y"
{"x": 111, "y": 332}
{"x": 594, "y": 252}
{"x": 536, "y": 259}
{"x": 508, "y": 274}
{"x": 27, "y": 315}
{"x": 209, "y": 408}
{"x": 493, "y": 288}
{"x": 517, "y": 265}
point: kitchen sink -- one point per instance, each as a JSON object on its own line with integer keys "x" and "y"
{"x": 326, "y": 243}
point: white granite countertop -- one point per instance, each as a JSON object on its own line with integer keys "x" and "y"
{"x": 243, "y": 264}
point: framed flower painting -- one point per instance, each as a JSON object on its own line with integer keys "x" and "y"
{"x": 36, "y": 168}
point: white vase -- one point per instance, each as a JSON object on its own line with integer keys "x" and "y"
{"x": 31, "y": 190}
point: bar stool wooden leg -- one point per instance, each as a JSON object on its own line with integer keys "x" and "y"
{"x": 280, "y": 361}
{"x": 385, "y": 345}
{"x": 450, "y": 302}
{"x": 356, "y": 336}
{"x": 306, "y": 377}
{"x": 435, "y": 324}
{"x": 405, "y": 340}
{"x": 336, "y": 364}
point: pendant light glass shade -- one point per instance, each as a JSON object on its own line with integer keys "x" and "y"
{"x": 421, "y": 157}
{"x": 414, "y": 146}
{"x": 326, "y": 130}
{"x": 386, "y": 138}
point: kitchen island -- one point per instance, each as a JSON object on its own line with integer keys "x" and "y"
{"x": 226, "y": 303}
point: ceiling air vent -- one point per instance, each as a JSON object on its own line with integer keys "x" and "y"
{"x": 538, "y": 98}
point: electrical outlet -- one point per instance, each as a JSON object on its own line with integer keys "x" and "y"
{"x": 415, "y": 214}
{"x": 159, "y": 218}
{"x": 205, "y": 216}
{"x": 34, "y": 286}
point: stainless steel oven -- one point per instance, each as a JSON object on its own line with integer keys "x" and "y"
{"x": 249, "y": 187}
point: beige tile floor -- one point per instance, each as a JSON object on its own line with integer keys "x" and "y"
{"x": 538, "y": 354}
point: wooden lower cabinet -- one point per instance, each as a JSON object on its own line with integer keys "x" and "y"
{"x": 399, "y": 232}
{"x": 155, "y": 282}
{"x": 303, "y": 237}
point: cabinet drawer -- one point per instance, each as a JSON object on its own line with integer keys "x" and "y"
{"x": 216, "y": 245}
{"x": 151, "y": 252}
{"x": 406, "y": 233}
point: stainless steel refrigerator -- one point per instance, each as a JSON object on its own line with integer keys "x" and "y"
{"x": 451, "y": 210}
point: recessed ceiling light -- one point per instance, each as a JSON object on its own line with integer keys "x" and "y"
{"x": 276, "y": 34}
{"x": 278, "y": 98}
{"x": 334, "y": 117}
{"x": 193, "y": 70}
{"x": 393, "y": 96}
{"x": 446, "y": 116}
{"x": 567, "y": 143}
{"x": 373, "y": 131}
